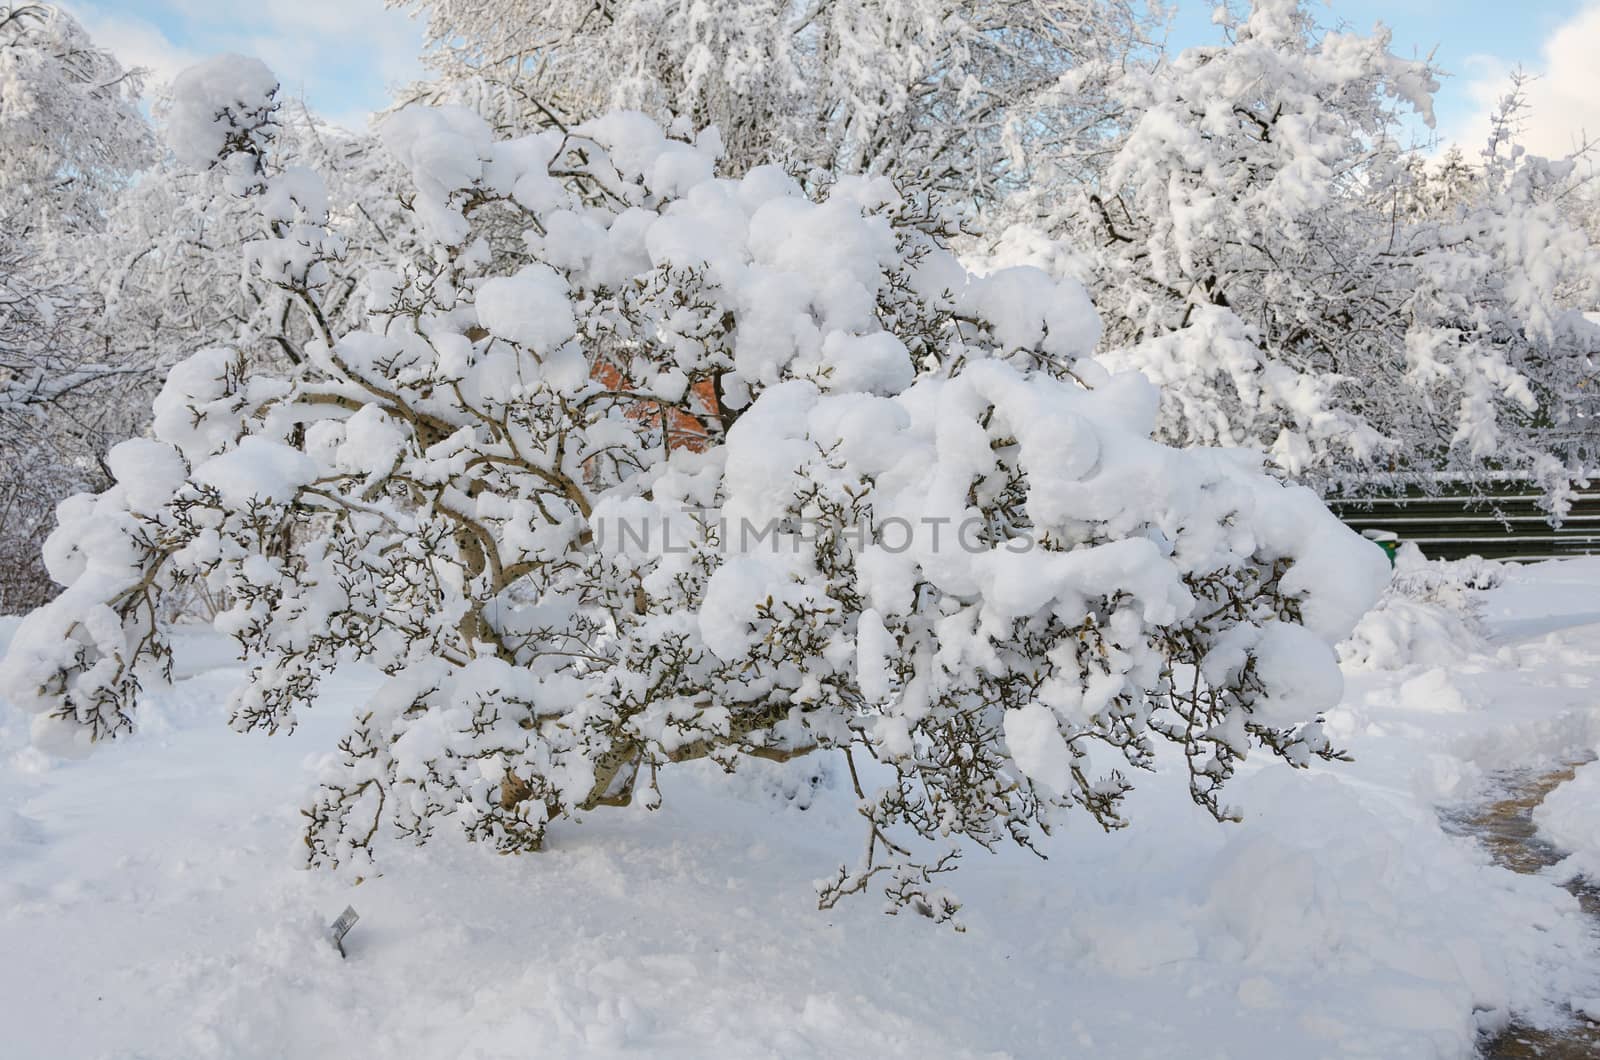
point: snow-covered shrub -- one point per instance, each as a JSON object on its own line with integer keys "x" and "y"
{"x": 711, "y": 470}
{"x": 1429, "y": 616}
{"x": 1447, "y": 582}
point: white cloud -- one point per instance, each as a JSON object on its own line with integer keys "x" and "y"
{"x": 1564, "y": 98}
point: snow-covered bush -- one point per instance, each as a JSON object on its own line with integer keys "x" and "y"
{"x": 710, "y": 470}
{"x": 1431, "y": 614}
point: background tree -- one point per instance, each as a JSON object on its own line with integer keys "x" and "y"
{"x": 1266, "y": 250}
{"x": 951, "y": 96}
{"x": 70, "y": 129}
{"x": 71, "y": 136}
{"x": 167, "y": 262}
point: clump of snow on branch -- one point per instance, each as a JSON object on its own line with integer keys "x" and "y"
{"x": 222, "y": 113}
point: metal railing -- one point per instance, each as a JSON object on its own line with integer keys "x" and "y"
{"x": 1500, "y": 520}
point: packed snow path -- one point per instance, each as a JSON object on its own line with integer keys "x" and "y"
{"x": 1508, "y": 829}
{"x": 149, "y": 903}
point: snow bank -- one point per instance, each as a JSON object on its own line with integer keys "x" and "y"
{"x": 1570, "y": 818}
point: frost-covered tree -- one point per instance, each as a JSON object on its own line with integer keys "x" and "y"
{"x": 167, "y": 264}
{"x": 1258, "y": 250}
{"x": 45, "y": 381}
{"x": 953, "y": 95}
{"x": 70, "y": 138}
{"x": 1432, "y": 190}
{"x": 692, "y": 468}
{"x": 70, "y": 128}
{"x": 1516, "y": 273}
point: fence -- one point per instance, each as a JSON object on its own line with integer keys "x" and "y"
{"x": 1502, "y": 521}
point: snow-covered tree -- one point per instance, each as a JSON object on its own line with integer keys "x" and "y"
{"x": 167, "y": 265}
{"x": 70, "y": 128}
{"x": 42, "y": 376}
{"x": 951, "y": 95}
{"x": 1431, "y": 190}
{"x": 712, "y": 470}
{"x": 1260, "y": 253}
{"x": 71, "y": 137}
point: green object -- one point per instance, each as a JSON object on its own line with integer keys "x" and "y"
{"x": 1387, "y": 540}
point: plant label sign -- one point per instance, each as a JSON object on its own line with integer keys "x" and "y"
{"x": 341, "y": 927}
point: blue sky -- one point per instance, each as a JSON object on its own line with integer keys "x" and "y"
{"x": 344, "y": 55}
{"x": 1457, "y": 29}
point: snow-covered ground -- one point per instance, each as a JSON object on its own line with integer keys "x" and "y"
{"x": 150, "y": 905}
